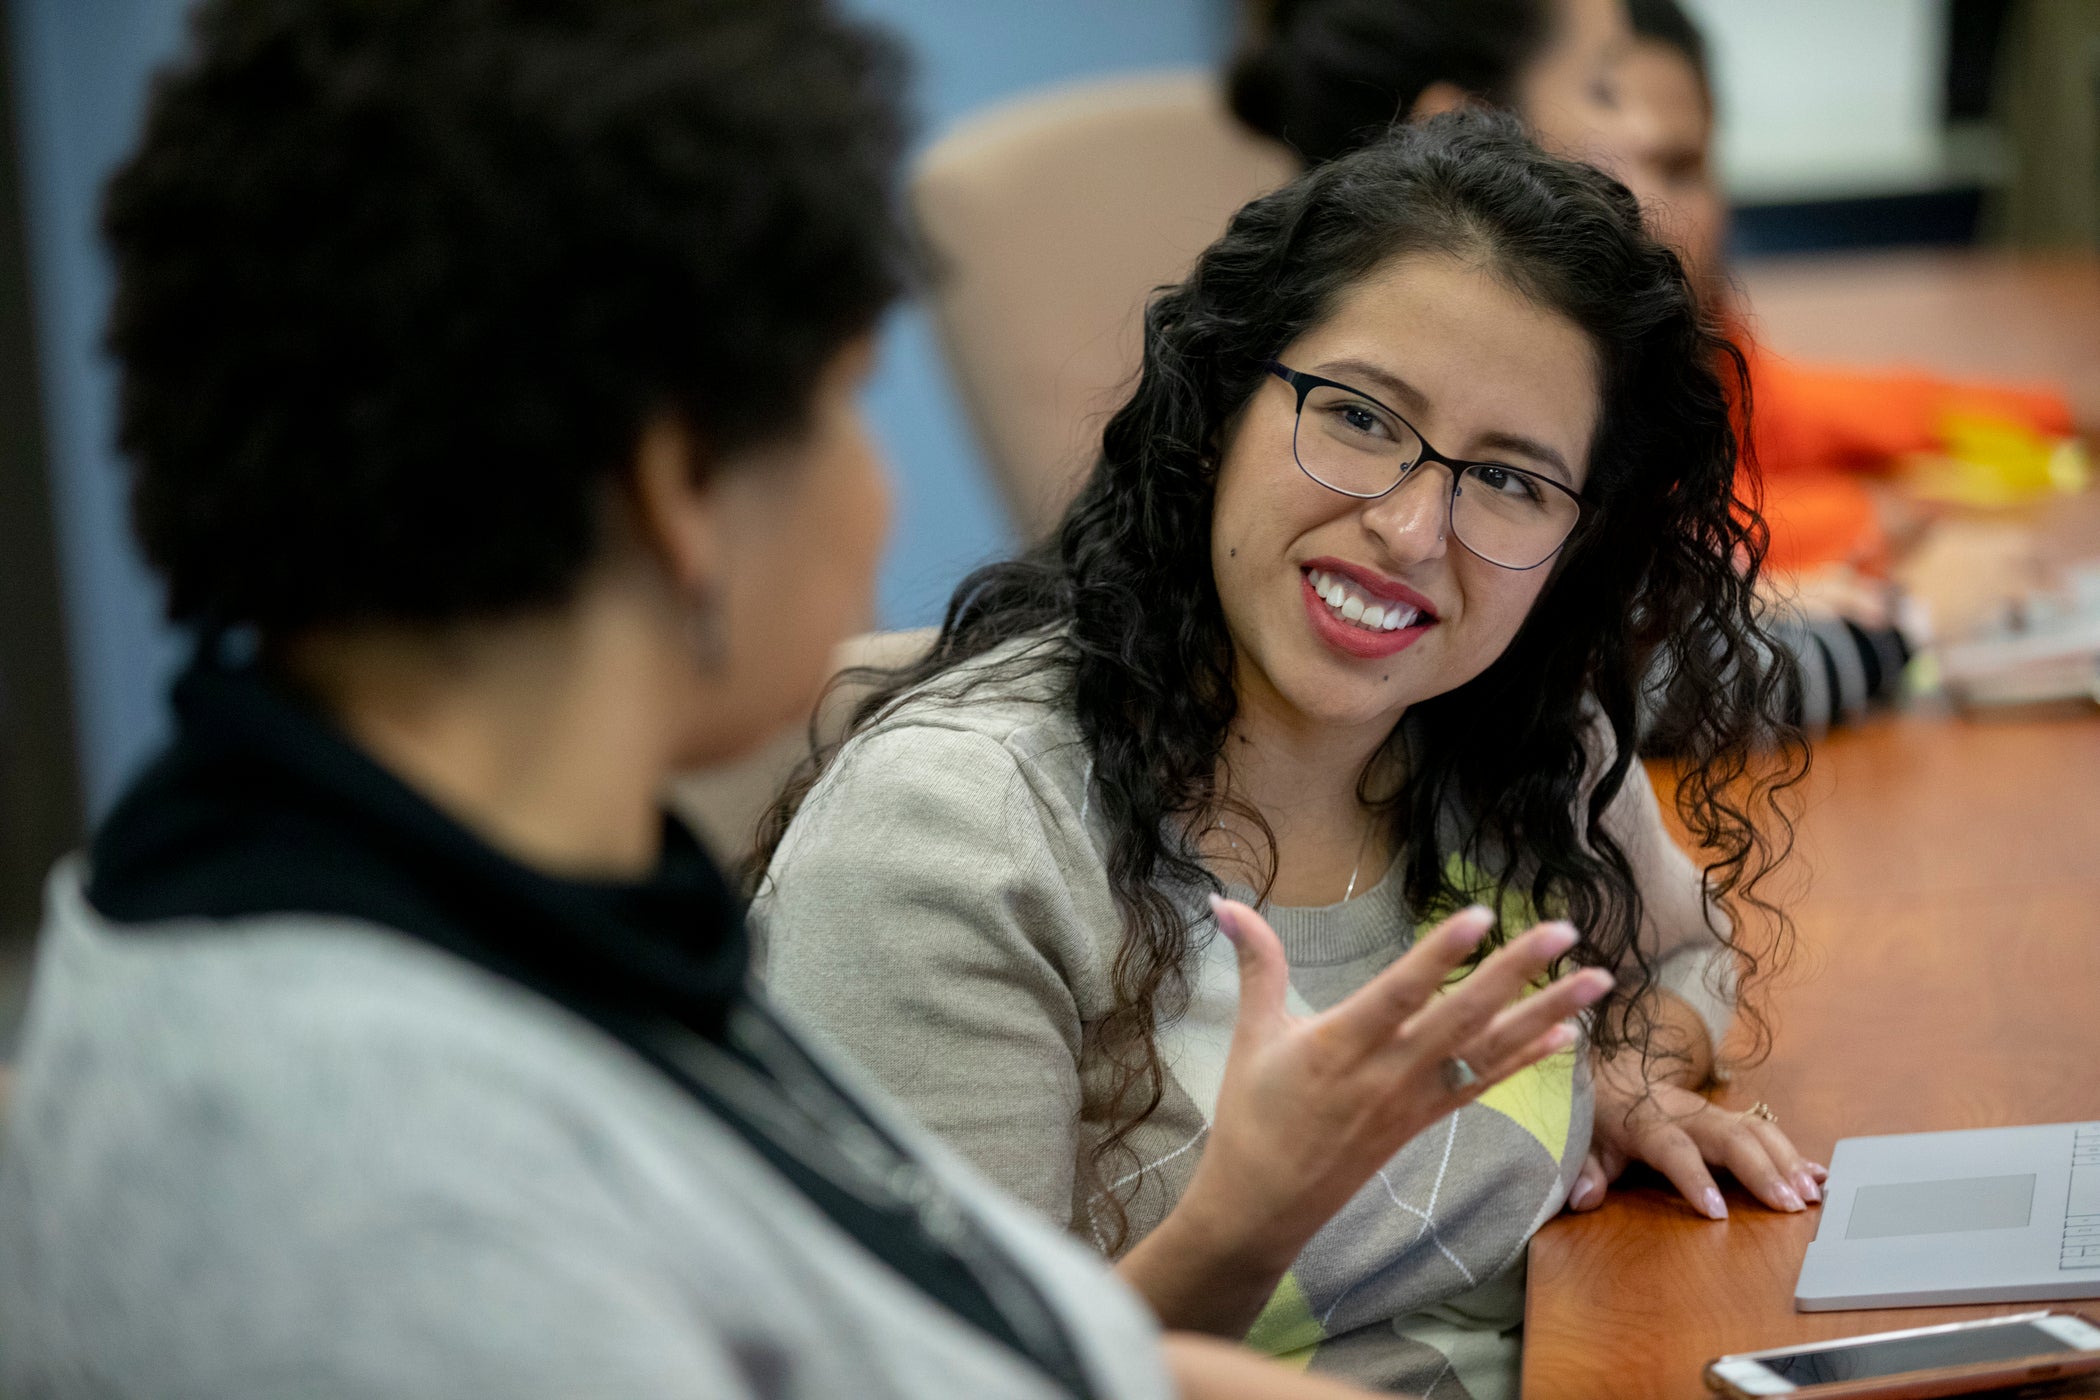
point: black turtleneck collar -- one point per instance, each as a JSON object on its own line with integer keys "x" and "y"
{"x": 262, "y": 806}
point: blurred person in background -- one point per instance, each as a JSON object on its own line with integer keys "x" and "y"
{"x": 488, "y": 372}
{"x": 1284, "y": 653}
{"x": 1821, "y": 431}
{"x": 1324, "y": 77}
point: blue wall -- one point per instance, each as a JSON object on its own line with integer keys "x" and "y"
{"x": 80, "y": 86}
{"x": 81, "y": 71}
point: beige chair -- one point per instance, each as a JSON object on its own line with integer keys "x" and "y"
{"x": 725, "y": 804}
{"x": 1050, "y": 221}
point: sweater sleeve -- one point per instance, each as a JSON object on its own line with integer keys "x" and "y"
{"x": 925, "y": 915}
{"x": 1681, "y": 929}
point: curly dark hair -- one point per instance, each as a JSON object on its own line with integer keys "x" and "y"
{"x": 1497, "y": 771}
{"x": 1325, "y": 76}
{"x": 399, "y": 283}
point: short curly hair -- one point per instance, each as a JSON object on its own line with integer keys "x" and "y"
{"x": 399, "y": 283}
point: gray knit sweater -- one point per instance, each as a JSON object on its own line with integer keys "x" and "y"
{"x": 941, "y": 909}
{"x": 306, "y": 1156}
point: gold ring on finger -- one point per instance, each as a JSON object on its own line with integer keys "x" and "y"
{"x": 1760, "y": 1109}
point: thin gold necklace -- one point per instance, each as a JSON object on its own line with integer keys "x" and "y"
{"x": 1362, "y": 847}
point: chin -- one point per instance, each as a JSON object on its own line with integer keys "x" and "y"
{"x": 1349, "y": 702}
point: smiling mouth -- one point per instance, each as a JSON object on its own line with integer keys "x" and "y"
{"x": 1354, "y": 607}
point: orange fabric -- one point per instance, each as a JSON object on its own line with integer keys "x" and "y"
{"x": 1816, "y": 427}
{"x": 1809, "y": 418}
{"x": 1820, "y": 518}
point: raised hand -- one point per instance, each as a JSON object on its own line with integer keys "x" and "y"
{"x": 1311, "y": 1106}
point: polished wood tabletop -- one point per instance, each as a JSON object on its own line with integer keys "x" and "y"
{"x": 1947, "y": 904}
{"x": 1947, "y": 976}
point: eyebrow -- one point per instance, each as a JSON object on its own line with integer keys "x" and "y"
{"x": 1498, "y": 441}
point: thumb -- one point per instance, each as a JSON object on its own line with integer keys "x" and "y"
{"x": 1588, "y": 1191}
{"x": 1264, "y": 975}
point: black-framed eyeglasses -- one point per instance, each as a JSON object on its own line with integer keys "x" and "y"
{"x": 1355, "y": 445}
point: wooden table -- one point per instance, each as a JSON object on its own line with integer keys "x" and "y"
{"x": 1966, "y": 313}
{"x": 1948, "y": 977}
{"x": 1948, "y": 974}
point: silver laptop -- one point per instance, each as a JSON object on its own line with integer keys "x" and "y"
{"x": 1991, "y": 1215}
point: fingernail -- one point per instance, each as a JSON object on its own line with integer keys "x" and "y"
{"x": 1809, "y": 1190}
{"x": 1558, "y": 938}
{"x": 1710, "y": 1201}
{"x": 1561, "y": 1037}
{"x": 1788, "y": 1199}
{"x": 1228, "y": 920}
{"x": 1595, "y": 983}
{"x": 1822, "y": 1172}
{"x": 1585, "y": 1191}
{"x": 1470, "y": 924}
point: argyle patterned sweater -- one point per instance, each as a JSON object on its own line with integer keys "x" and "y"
{"x": 941, "y": 911}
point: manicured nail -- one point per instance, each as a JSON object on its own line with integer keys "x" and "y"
{"x": 1585, "y": 1191}
{"x": 1809, "y": 1190}
{"x": 1469, "y": 925}
{"x": 1788, "y": 1199}
{"x": 1593, "y": 984}
{"x": 1228, "y": 919}
{"x": 1710, "y": 1201}
{"x": 1558, "y": 939}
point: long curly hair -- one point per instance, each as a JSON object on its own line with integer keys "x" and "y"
{"x": 1501, "y": 772}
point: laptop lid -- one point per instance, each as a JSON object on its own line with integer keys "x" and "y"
{"x": 1984, "y": 1215}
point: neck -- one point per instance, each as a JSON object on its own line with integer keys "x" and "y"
{"x": 546, "y": 735}
{"x": 1303, "y": 776}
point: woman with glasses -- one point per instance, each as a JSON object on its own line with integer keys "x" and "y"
{"x": 1426, "y": 466}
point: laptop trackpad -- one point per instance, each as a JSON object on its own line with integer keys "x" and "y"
{"x": 1941, "y": 1207}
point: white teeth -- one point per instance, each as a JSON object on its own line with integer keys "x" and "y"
{"x": 1376, "y": 617}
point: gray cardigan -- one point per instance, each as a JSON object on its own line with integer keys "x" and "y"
{"x": 306, "y": 1156}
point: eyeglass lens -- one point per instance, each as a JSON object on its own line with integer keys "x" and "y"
{"x": 1350, "y": 444}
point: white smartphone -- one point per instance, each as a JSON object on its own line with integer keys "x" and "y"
{"x": 1952, "y": 1359}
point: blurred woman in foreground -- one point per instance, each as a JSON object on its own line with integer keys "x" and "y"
{"x": 489, "y": 374}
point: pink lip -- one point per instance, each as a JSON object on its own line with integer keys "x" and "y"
{"x": 1359, "y": 641}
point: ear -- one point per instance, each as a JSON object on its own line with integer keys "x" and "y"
{"x": 678, "y": 513}
{"x": 1436, "y": 99}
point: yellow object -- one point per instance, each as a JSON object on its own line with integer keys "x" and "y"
{"x": 2071, "y": 467}
{"x": 1994, "y": 461}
